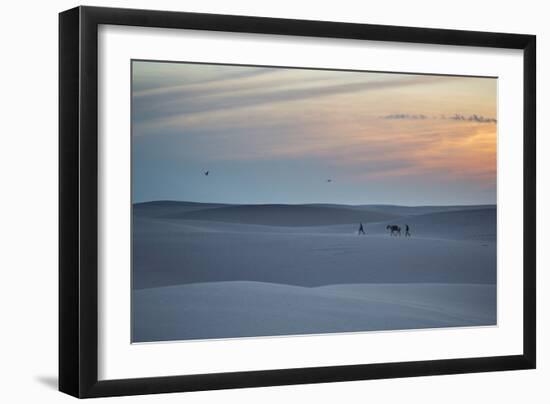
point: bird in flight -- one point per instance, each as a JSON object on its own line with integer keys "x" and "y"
{"x": 206, "y": 173}
{"x": 329, "y": 180}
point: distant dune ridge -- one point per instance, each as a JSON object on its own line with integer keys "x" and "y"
{"x": 162, "y": 208}
{"x": 291, "y": 215}
{"x": 196, "y": 267}
{"x": 283, "y": 215}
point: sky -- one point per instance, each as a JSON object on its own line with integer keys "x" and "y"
{"x": 282, "y": 135}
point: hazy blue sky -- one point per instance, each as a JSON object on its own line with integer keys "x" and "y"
{"x": 272, "y": 135}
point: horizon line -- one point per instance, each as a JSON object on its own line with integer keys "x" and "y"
{"x": 313, "y": 203}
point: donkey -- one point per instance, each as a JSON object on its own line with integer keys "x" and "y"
{"x": 394, "y": 229}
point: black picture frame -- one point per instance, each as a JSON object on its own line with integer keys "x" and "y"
{"x": 78, "y": 205}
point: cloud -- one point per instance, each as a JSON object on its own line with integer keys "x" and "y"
{"x": 252, "y": 91}
{"x": 378, "y": 135}
{"x": 185, "y": 88}
{"x": 472, "y": 118}
{"x": 455, "y": 117}
{"x": 405, "y": 116}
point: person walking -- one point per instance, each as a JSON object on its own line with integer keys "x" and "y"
{"x": 361, "y": 230}
{"x": 407, "y": 233}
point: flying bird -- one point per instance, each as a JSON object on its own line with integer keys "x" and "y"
{"x": 206, "y": 173}
{"x": 329, "y": 180}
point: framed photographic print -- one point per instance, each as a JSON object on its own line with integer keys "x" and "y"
{"x": 250, "y": 201}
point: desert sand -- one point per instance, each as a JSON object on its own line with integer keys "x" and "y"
{"x": 205, "y": 271}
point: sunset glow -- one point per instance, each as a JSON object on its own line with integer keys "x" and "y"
{"x": 274, "y": 135}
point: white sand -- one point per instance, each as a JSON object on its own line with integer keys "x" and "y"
{"x": 240, "y": 309}
{"x": 196, "y": 278}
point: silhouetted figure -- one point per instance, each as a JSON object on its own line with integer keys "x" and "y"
{"x": 407, "y": 233}
{"x": 329, "y": 180}
{"x": 206, "y": 173}
{"x": 394, "y": 229}
{"x": 361, "y": 230}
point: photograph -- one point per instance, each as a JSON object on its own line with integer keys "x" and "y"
{"x": 272, "y": 201}
{"x": 249, "y": 201}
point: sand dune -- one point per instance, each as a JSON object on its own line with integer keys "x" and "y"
{"x": 423, "y": 210}
{"x": 468, "y": 224}
{"x": 282, "y": 215}
{"x": 174, "y": 208}
{"x": 197, "y": 267}
{"x": 223, "y": 309}
{"x": 164, "y": 208}
{"x": 480, "y": 224}
{"x": 277, "y": 215}
{"x": 169, "y": 253}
